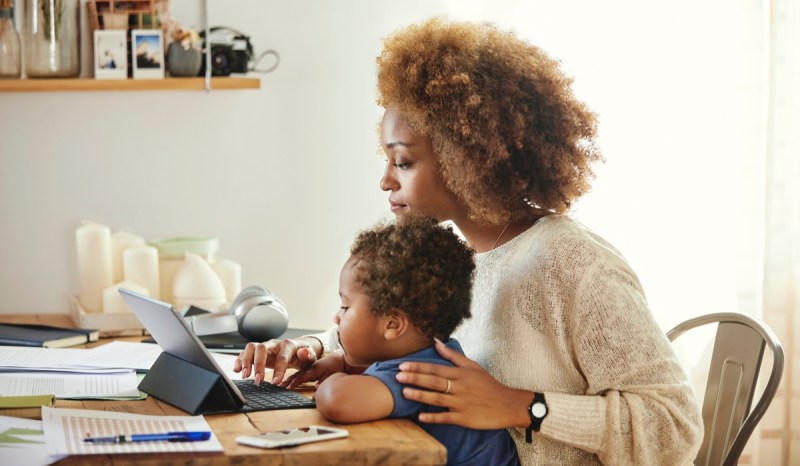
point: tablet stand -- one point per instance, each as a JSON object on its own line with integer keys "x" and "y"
{"x": 189, "y": 387}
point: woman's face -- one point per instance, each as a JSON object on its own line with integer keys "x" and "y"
{"x": 411, "y": 175}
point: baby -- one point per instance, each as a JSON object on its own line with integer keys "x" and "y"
{"x": 404, "y": 285}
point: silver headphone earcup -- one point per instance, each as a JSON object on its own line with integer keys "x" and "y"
{"x": 238, "y": 308}
{"x": 264, "y": 322}
{"x": 260, "y": 314}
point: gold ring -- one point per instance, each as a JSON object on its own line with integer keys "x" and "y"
{"x": 447, "y": 390}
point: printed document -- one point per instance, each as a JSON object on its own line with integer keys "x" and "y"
{"x": 65, "y": 429}
{"x": 69, "y": 384}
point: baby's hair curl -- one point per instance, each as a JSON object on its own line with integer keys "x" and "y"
{"x": 418, "y": 267}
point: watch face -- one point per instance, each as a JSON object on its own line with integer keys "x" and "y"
{"x": 539, "y": 410}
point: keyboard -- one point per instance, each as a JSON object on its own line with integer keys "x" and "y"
{"x": 266, "y": 397}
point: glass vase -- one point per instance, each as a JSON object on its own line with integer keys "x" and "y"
{"x": 10, "y": 51}
{"x": 51, "y": 38}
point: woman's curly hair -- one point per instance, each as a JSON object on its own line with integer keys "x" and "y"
{"x": 419, "y": 267}
{"x": 500, "y": 113}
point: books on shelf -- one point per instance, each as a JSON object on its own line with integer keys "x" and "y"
{"x": 29, "y": 406}
{"x": 46, "y": 336}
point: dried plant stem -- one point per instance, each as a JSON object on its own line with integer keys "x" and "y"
{"x": 52, "y": 11}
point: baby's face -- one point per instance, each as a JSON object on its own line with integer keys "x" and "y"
{"x": 360, "y": 331}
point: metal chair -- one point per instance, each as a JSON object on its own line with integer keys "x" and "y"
{"x": 735, "y": 365}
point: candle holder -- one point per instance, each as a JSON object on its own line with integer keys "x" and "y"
{"x": 108, "y": 325}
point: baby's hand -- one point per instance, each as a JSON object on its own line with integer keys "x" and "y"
{"x": 318, "y": 371}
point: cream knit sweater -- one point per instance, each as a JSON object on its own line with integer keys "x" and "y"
{"x": 558, "y": 310}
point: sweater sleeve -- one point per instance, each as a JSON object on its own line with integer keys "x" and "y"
{"x": 638, "y": 407}
{"x": 328, "y": 340}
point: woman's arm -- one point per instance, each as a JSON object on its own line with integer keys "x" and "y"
{"x": 348, "y": 399}
{"x": 637, "y": 409}
{"x": 281, "y": 354}
{"x": 638, "y": 402}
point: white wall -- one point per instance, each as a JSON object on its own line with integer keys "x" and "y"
{"x": 286, "y": 175}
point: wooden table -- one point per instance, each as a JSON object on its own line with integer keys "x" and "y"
{"x": 385, "y": 442}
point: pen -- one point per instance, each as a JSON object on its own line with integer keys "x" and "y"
{"x": 168, "y": 437}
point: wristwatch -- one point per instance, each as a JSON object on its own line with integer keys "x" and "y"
{"x": 537, "y": 411}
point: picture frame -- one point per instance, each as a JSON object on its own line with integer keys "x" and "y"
{"x": 110, "y": 54}
{"x": 147, "y": 53}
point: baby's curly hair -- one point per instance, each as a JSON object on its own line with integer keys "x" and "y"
{"x": 419, "y": 267}
{"x": 500, "y": 113}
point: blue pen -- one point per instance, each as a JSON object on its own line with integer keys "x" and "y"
{"x": 167, "y": 437}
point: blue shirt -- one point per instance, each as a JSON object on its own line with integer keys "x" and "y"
{"x": 464, "y": 446}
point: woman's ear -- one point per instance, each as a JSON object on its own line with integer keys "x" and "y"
{"x": 396, "y": 324}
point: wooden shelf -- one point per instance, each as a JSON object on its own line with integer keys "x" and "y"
{"x": 90, "y": 84}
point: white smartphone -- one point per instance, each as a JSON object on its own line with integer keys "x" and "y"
{"x": 291, "y": 437}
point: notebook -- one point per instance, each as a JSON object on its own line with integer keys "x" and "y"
{"x": 44, "y": 335}
{"x": 176, "y": 338}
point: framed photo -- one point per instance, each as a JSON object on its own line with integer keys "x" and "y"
{"x": 147, "y": 52}
{"x": 110, "y": 54}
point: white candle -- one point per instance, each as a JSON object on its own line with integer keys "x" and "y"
{"x": 140, "y": 266}
{"x": 167, "y": 268}
{"x": 230, "y": 273}
{"x": 120, "y": 241}
{"x": 171, "y": 255}
{"x": 112, "y": 300}
{"x": 196, "y": 283}
{"x": 94, "y": 264}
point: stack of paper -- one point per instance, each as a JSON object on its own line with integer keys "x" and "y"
{"x": 107, "y": 371}
{"x": 114, "y": 355}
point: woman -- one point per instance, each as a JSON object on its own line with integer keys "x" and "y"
{"x": 482, "y": 129}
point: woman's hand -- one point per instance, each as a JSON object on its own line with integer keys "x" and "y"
{"x": 296, "y": 353}
{"x": 319, "y": 371}
{"x": 473, "y": 398}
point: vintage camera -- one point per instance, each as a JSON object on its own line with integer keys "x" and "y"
{"x": 231, "y": 51}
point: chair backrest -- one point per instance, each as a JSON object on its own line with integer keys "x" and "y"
{"x": 735, "y": 365}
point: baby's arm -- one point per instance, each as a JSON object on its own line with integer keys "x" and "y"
{"x": 347, "y": 399}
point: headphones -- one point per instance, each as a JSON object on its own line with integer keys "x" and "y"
{"x": 260, "y": 315}
{"x": 256, "y": 314}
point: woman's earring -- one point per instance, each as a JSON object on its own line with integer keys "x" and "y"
{"x": 530, "y": 204}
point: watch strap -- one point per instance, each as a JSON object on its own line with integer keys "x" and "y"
{"x": 536, "y": 422}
